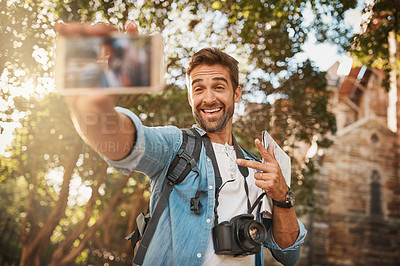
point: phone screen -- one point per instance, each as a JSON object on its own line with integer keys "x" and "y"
{"x": 116, "y": 64}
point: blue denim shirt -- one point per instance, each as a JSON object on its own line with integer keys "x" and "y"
{"x": 181, "y": 236}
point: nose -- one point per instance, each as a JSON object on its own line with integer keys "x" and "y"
{"x": 209, "y": 96}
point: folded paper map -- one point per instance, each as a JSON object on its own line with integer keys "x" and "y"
{"x": 284, "y": 162}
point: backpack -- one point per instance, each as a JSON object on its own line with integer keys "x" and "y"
{"x": 184, "y": 162}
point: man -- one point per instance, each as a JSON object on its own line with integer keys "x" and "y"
{"x": 183, "y": 237}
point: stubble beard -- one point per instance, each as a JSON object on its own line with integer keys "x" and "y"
{"x": 216, "y": 124}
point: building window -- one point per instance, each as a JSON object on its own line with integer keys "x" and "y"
{"x": 376, "y": 195}
{"x": 375, "y": 138}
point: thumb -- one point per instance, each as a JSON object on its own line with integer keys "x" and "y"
{"x": 131, "y": 27}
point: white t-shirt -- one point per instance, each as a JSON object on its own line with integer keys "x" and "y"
{"x": 232, "y": 201}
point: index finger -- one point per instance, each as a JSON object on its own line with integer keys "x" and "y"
{"x": 252, "y": 164}
{"x": 267, "y": 156}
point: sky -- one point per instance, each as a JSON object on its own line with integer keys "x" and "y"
{"x": 325, "y": 55}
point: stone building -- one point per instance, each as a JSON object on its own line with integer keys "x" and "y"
{"x": 359, "y": 179}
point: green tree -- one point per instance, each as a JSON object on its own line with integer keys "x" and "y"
{"x": 377, "y": 47}
{"x": 48, "y": 158}
{"x": 371, "y": 45}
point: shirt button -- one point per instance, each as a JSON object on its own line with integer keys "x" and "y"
{"x": 208, "y": 221}
{"x": 208, "y": 160}
{"x": 199, "y": 255}
{"x": 210, "y": 187}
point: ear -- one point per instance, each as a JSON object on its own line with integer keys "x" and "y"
{"x": 238, "y": 94}
{"x": 189, "y": 96}
{"x": 189, "y": 90}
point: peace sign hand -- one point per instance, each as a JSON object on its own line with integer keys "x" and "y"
{"x": 269, "y": 176}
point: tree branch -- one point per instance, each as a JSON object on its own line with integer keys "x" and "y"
{"x": 67, "y": 243}
{"x": 30, "y": 207}
{"x": 58, "y": 210}
{"x": 114, "y": 202}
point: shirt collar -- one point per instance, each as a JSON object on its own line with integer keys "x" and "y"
{"x": 201, "y": 131}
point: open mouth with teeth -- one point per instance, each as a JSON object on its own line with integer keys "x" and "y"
{"x": 212, "y": 111}
{"x": 213, "y": 118}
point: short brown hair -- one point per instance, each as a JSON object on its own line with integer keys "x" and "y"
{"x": 213, "y": 56}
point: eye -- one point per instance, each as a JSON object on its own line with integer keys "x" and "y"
{"x": 197, "y": 89}
{"x": 219, "y": 88}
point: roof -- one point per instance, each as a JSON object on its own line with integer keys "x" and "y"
{"x": 371, "y": 119}
{"x": 348, "y": 85}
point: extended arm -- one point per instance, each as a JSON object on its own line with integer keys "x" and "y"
{"x": 110, "y": 133}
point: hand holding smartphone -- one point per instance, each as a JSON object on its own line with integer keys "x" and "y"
{"x": 92, "y": 106}
{"x": 108, "y": 62}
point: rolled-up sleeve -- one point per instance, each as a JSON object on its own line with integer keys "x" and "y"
{"x": 129, "y": 163}
{"x": 289, "y": 255}
{"x": 153, "y": 149}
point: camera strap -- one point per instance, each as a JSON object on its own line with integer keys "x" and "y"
{"x": 210, "y": 153}
{"x": 244, "y": 171}
{"x": 218, "y": 179}
{"x": 258, "y": 200}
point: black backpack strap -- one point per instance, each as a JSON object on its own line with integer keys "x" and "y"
{"x": 135, "y": 236}
{"x": 187, "y": 157}
{"x": 184, "y": 162}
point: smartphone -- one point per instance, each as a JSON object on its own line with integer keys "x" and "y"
{"x": 114, "y": 64}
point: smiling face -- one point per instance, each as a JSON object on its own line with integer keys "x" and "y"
{"x": 212, "y": 97}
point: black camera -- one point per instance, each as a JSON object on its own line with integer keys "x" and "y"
{"x": 242, "y": 235}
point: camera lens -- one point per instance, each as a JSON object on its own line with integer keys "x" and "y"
{"x": 254, "y": 234}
